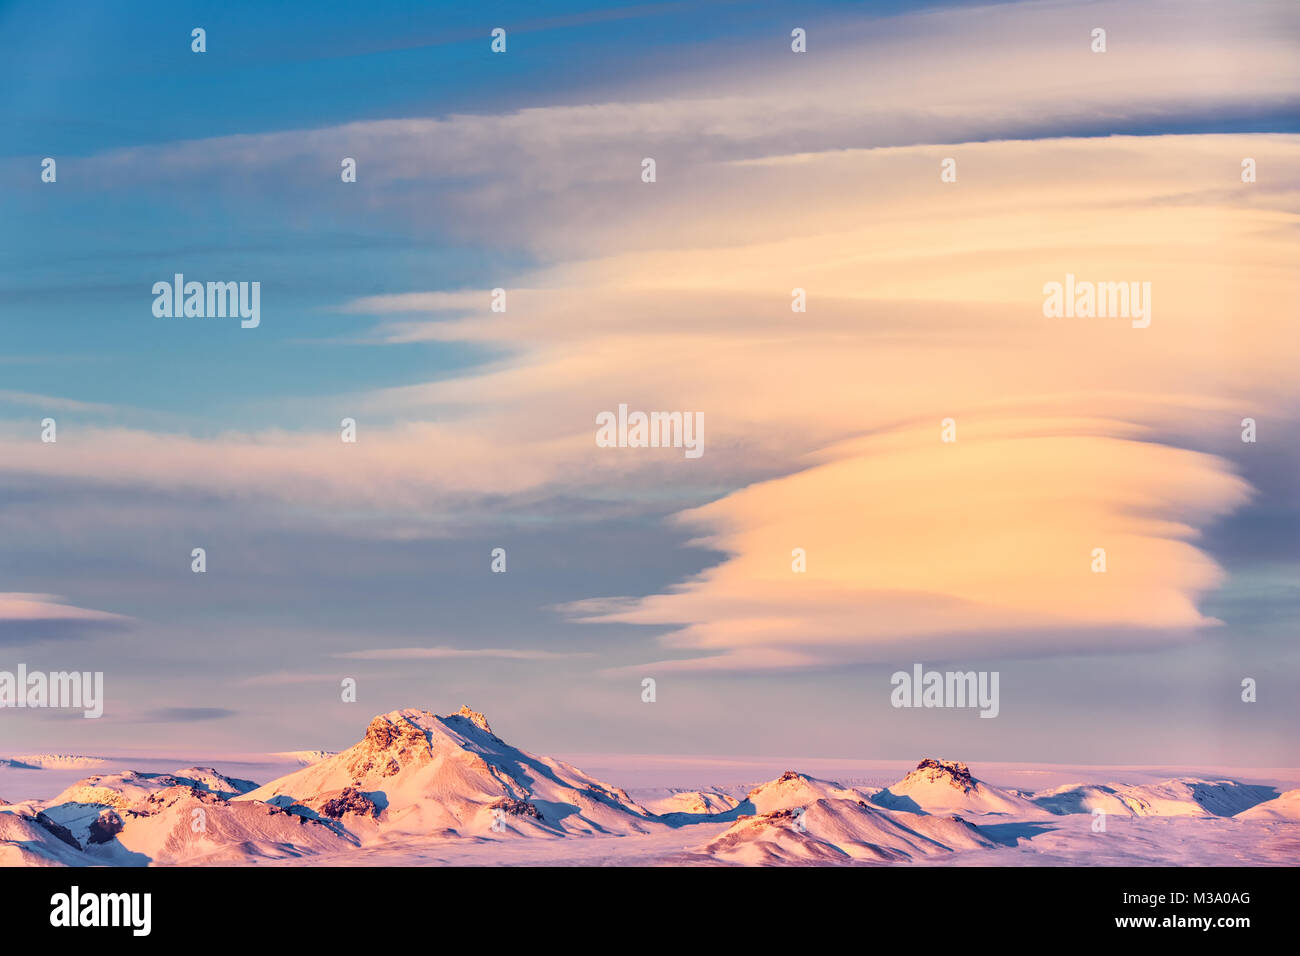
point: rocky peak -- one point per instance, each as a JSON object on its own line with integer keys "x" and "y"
{"x": 393, "y": 741}
{"x": 475, "y": 718}
{"x": 954, "y": 773}
{"x": 106, "y": 826}
{"x": 394, "y": 730}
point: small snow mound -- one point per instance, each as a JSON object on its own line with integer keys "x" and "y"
{"x": 692, "y": 802}
{"x": 790, "y": 780}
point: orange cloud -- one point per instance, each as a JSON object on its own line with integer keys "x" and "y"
{"x": 914, "y": 545}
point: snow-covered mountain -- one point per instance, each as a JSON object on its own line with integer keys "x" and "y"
{"x": 692, "y": 802}
{"x": 25, "y": 842}
{"x": 419, "y": 787}
{"x": 417, "y": 773}
{"x": 1181, "y": 797}
{"x": 136, "y": 818}
{"x": 52, "y": 761}
{"x": 122, "y": 790}
{"x": 1281, "y": 809}
{"x": 305, "y": 757}
{"x": 796, "y": 818}
{"x": 946, "y": 786}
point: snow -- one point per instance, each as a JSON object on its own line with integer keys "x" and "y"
{"x": 47, "y": 761}
{"x": 1195, "y": 797}
{"x": 1285, "y": 808}
{"x": 423, "y": 789}
{"x": 451, "y": 775}
{"x": 305, "y": 757}
{"x": 945, "y": 786}
{"x": 689, "y": 802}
{"x": 796, "y": 818}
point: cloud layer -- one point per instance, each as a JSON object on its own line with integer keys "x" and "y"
{"x": 924, "y": 304}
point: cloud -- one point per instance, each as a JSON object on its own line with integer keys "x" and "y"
{"x": 924, "y": 302}
{"x": 981, "y": 546}
{"x": 26, "y": 618}
{"x": 184, "y": 715}
{"x": 51, "y": 402}
{"x": 554, "y": 173}
{"x": 287, "y": 678}
{"x": 448, "y": 653}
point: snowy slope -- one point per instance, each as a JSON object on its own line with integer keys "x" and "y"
{"x": 422, "y": 789}
{"x": 25, "y": 842}
{"x": 1284, "y": 809}
{"x": 121, "y": 790}
{"x": 1182, "y": 797}
{"x": 946, "y": 786}
{"x": 53, "y": 761}
{"x": 206, "y": 778}
{"x": 304, "y": 757}
{"x": 797, "y": 819}
{"x": 692, "y": 802}
{"x": 187, "y": 825}
{"x": 136, "y": 818}
{"x": 419, "y": 773}
{"x": 132, "y": 819}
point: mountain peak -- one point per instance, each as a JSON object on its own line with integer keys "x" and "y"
{"x": 416, "y": 772}
{"x": 955, "y": 773}
{"x": 400, "y": 730}
{"x": 475, "y": 718}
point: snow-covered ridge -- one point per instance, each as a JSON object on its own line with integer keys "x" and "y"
{"x": 420, "y": 786}
{"x": 415, "y": 772}
{"x": 698, "y": 802}
{"x": 798, "y": 819}
{"x": 947, "y": 786}
{"x": 53, "y": 761}
{"x": 1184, "y": 797}
{"x": 305, "y": 757}
{"x": 1284, "y": 809}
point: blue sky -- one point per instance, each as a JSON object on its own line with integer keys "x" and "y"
{"x": 474, "y": 172}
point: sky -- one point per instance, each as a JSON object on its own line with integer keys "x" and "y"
{"x": 774, "y": 171}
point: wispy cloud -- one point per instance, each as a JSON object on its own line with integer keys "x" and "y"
{"x": 184, "y": 715}
{"x": 450, "y": 653}
{"x": 924, "y": 303}
{"x": 26, "y": 618}
{"x": 51, "y": 402}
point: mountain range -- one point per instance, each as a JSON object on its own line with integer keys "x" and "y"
{"x": 448, "y": 788}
